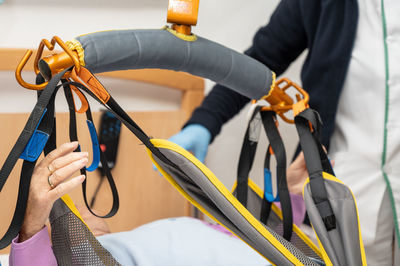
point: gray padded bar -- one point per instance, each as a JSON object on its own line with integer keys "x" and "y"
{"x": 137, "y": 49}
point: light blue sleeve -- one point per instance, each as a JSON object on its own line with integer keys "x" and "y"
{"x": 179, "y": 241}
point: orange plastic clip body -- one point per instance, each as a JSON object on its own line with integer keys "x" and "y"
{"x": 280, "y": 102}
{"x": 86, "y": 77}
{"x": 183, "y": 14}
{"x": 55, "y": 63}
{"x": 84, "y": 103}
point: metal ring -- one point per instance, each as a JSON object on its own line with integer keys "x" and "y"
{"x": 49, "y": 181}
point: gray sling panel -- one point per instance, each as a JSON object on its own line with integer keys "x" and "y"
{"x": 341, "y": 244}
{"x": 275, "y": 223}
{"x": 136, "y": 49}
{"x": 201, "y": 189}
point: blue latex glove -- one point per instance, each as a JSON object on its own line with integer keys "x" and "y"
{"x": 194, "y": 138}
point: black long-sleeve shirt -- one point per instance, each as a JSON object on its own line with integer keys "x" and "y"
{"x": 326, "y": 28}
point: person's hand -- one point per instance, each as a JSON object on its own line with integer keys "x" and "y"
{"x": 194, "y": 138}
{"x": 297, "y": 174}
{"x": 49, "y": 182}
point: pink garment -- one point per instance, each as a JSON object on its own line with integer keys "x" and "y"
{"x": 219, "y": 228}
{"x": 298, "y": 208}
{"x": 34, "y": 251}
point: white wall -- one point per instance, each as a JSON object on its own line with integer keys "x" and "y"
{"x": 23, "y": 23}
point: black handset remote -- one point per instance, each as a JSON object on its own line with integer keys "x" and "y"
{"x": 110, "y": 129}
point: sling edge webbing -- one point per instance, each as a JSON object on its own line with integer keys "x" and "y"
{"x": 160, "y": 143}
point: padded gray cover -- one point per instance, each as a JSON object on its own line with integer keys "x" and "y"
{"x": 341, "y": 244}
{"x": 137, "y": 49}
{"x": 200, "y": 188}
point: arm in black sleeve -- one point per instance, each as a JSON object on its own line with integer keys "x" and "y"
{"x": 220, "y": 105}
{"x": 276, "y": 45}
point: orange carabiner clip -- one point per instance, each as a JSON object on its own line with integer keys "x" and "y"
{"x": 18, "y": 75}
{"x": 63, "y": 61}
{"x": 84, "y": 103}
{"x": 84, "y": 76}
{"x": 280, "y": 102}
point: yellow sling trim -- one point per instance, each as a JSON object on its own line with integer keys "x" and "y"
{"x": 161, "y": 143}
{"x": 325, "y": 256}
{"x": 278, "y": 212}
{"x": 172, "y": 181}
{"x": 362, "y": 250}
{"x": 70, "y": 204}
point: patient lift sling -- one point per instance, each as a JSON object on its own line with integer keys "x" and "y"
{"x": 189, "y": 176}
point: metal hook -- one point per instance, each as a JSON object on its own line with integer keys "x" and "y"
{"x": 18, "y": 75}
{"x": 70, "y": 59}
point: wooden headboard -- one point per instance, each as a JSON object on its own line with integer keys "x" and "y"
{"x": 144, "y": 195}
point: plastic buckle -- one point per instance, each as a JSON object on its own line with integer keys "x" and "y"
{"x": 268, "y": 188}
{"x": 36, "y": 143}
{"x": 95, "y": 147}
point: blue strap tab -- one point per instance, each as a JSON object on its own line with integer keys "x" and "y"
{"x": 36, "y": 144}
{"x": 268, "y": 191}
{"x": 95, "y": 147}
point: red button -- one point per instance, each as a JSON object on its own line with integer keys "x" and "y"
{"x": 103, "y": 147}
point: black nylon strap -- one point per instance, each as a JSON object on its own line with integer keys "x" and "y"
{"x": 246, "y": 160}
{"x": 26, "y": 174}
{"x": 316, "y": 162}
{"x": 265, "y": 210}
{"x": 49, "y": 122}
{"x": 120, "y": 114}
{"x": 73, "y": 133}
{"x": 34, "y": 119}
{"x": 103, "y": 159}
{"x": 313, "y": 117}
{"x": 276, "y": 142}
{"x": 265, "y": 204}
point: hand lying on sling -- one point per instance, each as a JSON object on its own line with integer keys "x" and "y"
{"x": 50, "y": 181}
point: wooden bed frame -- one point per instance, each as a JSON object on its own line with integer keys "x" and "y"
{"x": 144, "y": 195}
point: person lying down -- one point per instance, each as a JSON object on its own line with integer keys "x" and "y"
{"x": 174, "y": 241}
